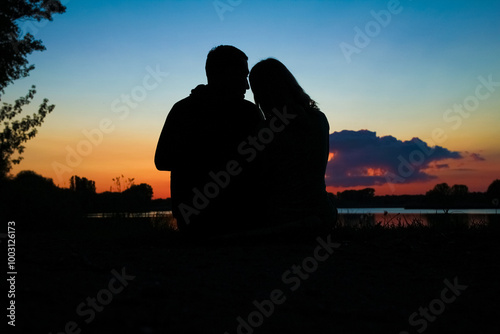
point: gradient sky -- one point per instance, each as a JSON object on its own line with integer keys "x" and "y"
{"x": 403, "y": 78}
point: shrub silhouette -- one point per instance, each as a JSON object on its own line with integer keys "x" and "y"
{"x": 33, "y": 200}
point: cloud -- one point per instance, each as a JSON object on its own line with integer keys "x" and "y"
{"x": 477, "y": 157}
{"x": 440, "y": 166}
{"x": 360, "y": 158}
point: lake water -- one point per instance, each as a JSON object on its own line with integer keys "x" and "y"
{"x": 405, "y": 217}
{"x": 404, "y": 211}
{"x": 383, "y": 216}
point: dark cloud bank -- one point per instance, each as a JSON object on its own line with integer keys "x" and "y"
{"x": 363, "y": 159}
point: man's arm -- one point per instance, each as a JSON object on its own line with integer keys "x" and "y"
{"x": 165, "y": 155}
{"x": 162, "y": 155}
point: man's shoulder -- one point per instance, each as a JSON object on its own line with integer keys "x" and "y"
{"x": 201, "y": 107}
{"x": 194, "y": 101}
{"x": 184, "y": 108}
{"x": 187, "y": 101}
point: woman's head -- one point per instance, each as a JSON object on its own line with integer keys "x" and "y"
{"x": 274, "y": 86}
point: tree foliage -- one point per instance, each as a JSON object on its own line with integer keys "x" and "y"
{"x": 32, "y": 200}
{"x": 14, "y": 46}
{"x": 82, "y": 185}
{"x": 142, "y": 192}
{"x": 494, "y": 190}
{"x": 362, "y": 195}
{"x": 14, "y": 49}
{"x": 138, "y": 197}
{"x": 16, "y": 132}
{"x": 446, "y": 197}
{"x": 441, "y": 189}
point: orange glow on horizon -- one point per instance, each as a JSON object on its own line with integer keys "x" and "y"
{"x": 133, "y": 158}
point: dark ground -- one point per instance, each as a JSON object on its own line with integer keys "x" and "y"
{"x": 372, "y": 283}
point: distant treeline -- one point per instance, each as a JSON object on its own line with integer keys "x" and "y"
{"x": 33, "y": 198}
{"x": 442, "y": 197}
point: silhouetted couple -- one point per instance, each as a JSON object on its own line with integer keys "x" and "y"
{"x": 236, "y": 165}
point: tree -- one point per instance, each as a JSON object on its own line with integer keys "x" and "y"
{"x": 138, "y": 197}
{"x": 140, "y": 191}
{"x": 440, "y": 197}
{"x": 442, "y": 189}
{"x": 446, "y": 197}
{"x": 459, "y": 191}
{"x": 14, "y": 47}
{"x": 16, "y": 133}
{"x": 82, "y": 185}
{"x": 33, "y": 200}
{"x": 29, "y": 180}
{"x": 84, "y": 191}
{"x": 363, "y": 195}
{"x": 493, "y": 191}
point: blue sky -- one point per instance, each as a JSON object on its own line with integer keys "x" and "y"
{"x": 427, "y": 58}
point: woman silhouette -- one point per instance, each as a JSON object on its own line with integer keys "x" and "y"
{"x": 295, "y": 160}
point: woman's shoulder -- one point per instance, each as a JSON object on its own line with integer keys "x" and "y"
{"x": 318, "y": 116}
{"x": 314, "y": 110}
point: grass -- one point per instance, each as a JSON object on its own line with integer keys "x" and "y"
{"x": 379, "y": 276}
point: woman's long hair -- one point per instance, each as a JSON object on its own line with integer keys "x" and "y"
{"x": 274, "y": 86}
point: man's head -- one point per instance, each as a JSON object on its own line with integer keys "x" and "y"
{"x": 227, "y": 70}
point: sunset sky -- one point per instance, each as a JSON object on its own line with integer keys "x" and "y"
{"x": 394, "y": 78}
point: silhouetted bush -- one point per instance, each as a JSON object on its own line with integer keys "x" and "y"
{"x": 32, "y": 200}
{"x": 138, "y": 198}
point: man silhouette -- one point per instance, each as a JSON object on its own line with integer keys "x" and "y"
{"x": 212, "y": 188}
